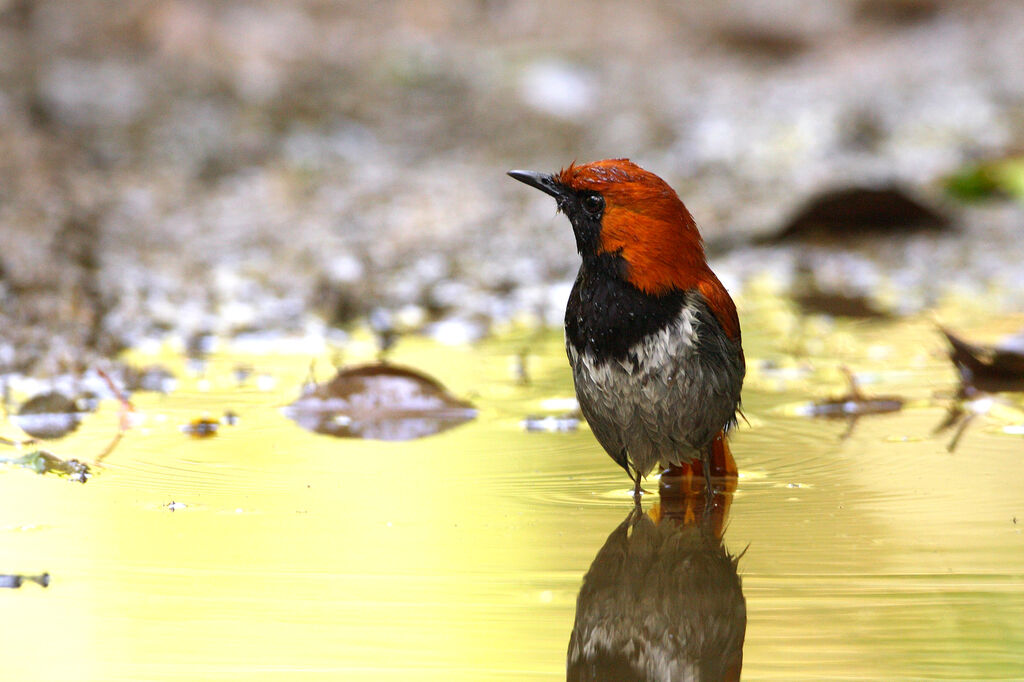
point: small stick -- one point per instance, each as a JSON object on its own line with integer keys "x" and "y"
{"x": 126, "y": 405}
{"x": 123, "y": 421}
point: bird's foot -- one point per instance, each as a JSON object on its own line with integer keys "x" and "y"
{"x": 638, "y": 491}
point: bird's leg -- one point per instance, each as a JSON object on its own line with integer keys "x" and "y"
{"x": 709, "y": 486}
{"x": 637, "y": 490}
{"x": 638, "y": 511}
{"x": 623, "y": 461}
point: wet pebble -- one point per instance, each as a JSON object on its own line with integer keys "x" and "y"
{"x": 202, "y": 427}
{"x": 152, "y": 378}
{"x": 561, "y": 424}
{"x": 14, "y": 581}
{"x": 48, "y": 416}
{"x": 558, "y": 88}
{"x": 457, "y": 331}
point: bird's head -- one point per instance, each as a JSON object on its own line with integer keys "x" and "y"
{"x": 619, "y": 209}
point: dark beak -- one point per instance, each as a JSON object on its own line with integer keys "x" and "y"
{"x": 545, "y": 182}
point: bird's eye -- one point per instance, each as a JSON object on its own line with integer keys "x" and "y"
{"x": 593, "y": 204}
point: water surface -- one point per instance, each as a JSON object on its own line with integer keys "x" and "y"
{"x": 268, "y": 552}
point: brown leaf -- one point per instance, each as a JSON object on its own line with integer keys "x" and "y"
{"x": 985, "y": 368}
{"x": 851, "y": 213}
{"x": 380, "y": 402}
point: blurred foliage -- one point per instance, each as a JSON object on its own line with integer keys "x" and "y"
{"x": 990, "y": 179}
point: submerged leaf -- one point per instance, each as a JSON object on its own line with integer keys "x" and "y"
{"x": 985, "y": 368}
{"x": 853, "y": 404}
{"x": 380, "y": 402}
{"x": 43, "y": 462}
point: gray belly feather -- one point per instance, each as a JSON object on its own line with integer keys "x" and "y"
{"x": 668, "y": 399}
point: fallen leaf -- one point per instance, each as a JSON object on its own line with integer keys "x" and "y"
{"x": 379, "y": 402}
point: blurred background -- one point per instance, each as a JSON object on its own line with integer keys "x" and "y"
{"x": 183, "y": 167}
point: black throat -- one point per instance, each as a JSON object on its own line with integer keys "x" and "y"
{"x": 606, "y": 315}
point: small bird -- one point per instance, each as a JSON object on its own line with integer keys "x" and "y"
{"x": 652, "y": 335}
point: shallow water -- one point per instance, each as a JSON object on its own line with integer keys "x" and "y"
{"x": 291, "y": 555}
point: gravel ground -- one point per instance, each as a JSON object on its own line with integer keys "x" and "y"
{"x": 177, "y": 167}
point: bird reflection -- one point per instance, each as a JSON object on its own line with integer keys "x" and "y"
{"x": 662, "y": 599}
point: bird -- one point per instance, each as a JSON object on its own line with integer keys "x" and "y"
{"x": 651, "y": 333}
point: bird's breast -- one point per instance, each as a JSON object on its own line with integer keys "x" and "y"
{"x": 655, "y": 354}
{"x": 610, "y": 320}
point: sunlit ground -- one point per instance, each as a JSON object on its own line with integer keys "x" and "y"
{"x": 289, "y": 555}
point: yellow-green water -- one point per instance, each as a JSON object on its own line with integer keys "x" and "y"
{"x": 459, "y": 556}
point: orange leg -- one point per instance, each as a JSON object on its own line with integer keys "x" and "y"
{"x": 682, "y": 488}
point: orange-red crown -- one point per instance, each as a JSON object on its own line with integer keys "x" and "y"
{"x": 646, "y": 223}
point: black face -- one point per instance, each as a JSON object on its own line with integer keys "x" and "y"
{"x": 584, "y": 208}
